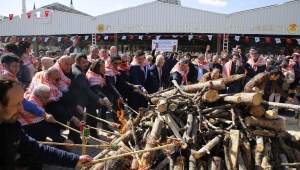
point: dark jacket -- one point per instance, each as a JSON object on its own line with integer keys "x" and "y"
{"x": 191, "y": 74}
{"x": 13, "y": 140}
{"x": 152, "y": 81}
{"x": 194, "y": 75}
{"x": 261, "y": 80}
{"x": 111, "y": 86}
{"x": 244, "y": 58}
{"x": 168, "y": 65}
{"x": 123, "y": 85}
{"x": 176, "y": 76}
{"x": 80, "y": 87}
{"x": 218, "y": 66}
{"x": 23, "y": 75}
{"x": 251, "y": 73}
{"x": 137, "y": 76}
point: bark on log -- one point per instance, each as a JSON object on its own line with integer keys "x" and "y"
{"x": 222, "y": 114}
{"x": 276, "y": 125}
{"x": 230, "y": 99}
{"x": 162, "y": 105}
{"x": 281, "y": 105}
{"x": 265, "y": 164}
{"x": 250, "y": 99}
{"x": 162, "y": 164}
{"x": 206, "y": 149}
{"x": 194, "y": 135}
{"x": 116, "y": 164}
{"x": 232, "y": 79}
{"x": 275, "y": 153}
{"x": 217, "y": 107}
{"x": 172, "y": 124}
{"x": 226, "y": 152}
{"x": 270, "y": 133}
{"x": 259, "y": 143}
{"x": 147, "y": 158}
{"x": 240, "y": 162}
{"x": 271, "y": 114}
{"x": 296, "y": 140}
{"x": 256, "y": 111}
{"x": 179, "y": 163}
{"x": 189, "y": 126}
{"x": 246, "y": 152}
{"x": 216, "y": 85}
{"x": 214, "y": 163}
{"x": 294, "y": 152}
{"x": 210, "y": 96}
{"x": 234, "y": 146}
{"x": 136, "y": 121}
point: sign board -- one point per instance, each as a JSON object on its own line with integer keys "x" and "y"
{"x": 165, "y": 45}
{"x": 41, "y": 18}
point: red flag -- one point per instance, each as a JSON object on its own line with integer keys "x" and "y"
{"x": 149, "y": 37}
{"x": 40, "y": 40}
{"x": 199, "y": 37}
{"x": 79, "y": 38}
{"x": 66, "y": 38}
{"x": 131, "y": 37}
{"x": 47, "y": 13}
{"x": 53, "y": 38}
{"x": 289, "y": 41}
{"x": 11, "y": 16}
{"x": 98, "y": 38}
{"x": 226, "y": 36}
{"x": 28, "y": 39}
{"x": 268, "y": 40}
{"x": 180, "y": 36}
{"x": 219, "y": 36}
{"x": 17, "y": 39}
{"x": 247, "y": 39}
{"x": 112, "y": 37}
{"x": 28, "y": 15}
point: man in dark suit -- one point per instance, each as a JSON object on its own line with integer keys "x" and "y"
{"x": 138, "y": 75}
{"x": 169, "y": 63}
{"x": 80, "y": 89}
{"x": 179, "y": 72}
{"x": 155, "y": 78}
{"x": 215, "y": 64}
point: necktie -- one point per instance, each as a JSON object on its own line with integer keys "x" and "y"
{"x": 160, "y": 74}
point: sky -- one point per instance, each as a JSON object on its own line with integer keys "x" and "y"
{"x": 98, "y": 7}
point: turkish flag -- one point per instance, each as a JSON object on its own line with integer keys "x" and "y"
{"x": 180, "y": 36}
{"x": 28, "y": 15}
{"x": 131, "y": 37}
{"x": 219, "y": 36}
{"x": 47, "y": 13}
{"x": 98, "y": 38}
{"x": 167, "y": 36}
{"x": 227, "y": 36}
{"x": 40, "y": 40}
{"x": 289, "y": 41}
{"x": 53, "y": 38}
{"x": 268, "y": 40}
{"x": 149, "y": 37}
{"x": 247, "y": 39}
{"x": 11, "y": 16}
{"x": 199, "y": 37}
{"x": 28, "y": 39}
{"x": 112, "y": 37}
{"x": 66, "y": 38}
{"x": 79, "y": 38}
{"x": 17, "y": 39}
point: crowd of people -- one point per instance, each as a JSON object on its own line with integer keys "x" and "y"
{"x": 63, "y": 87}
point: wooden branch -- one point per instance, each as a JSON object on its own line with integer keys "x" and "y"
{"x": 281, "y": 105}
{"x": 259, "y": 143}
{"x": 246, "y": 152}
{"x": 195, "y": 126}
{"x": 77, "y": 145}
{"x": 230, "y": 99}
{"x": 257, "y": 158}
{"x": 201, "y": 164}
{"x": 284, "y": 161}
{"x": 172, "y": 124}
{"x": 135, "y": 139}
{"x": 216, "y": 85}
{"x": 189, "y": 126}
{"x": 233, "y": 147}
{"x": 214, "y": 163}
{"x": 179, "y": 163}
{"x": 226, "y": 152}
{"x": 136, "y": 121}
{"x": 192, "y": 160}
{"x": 276, "y": 125}
{"x": 217, "y": 107}
{"x": 173, "y": 106}
{"x": 240, "y": 162}
{"x": 206, "y": 149}
{"x": 265, "y": 164}
{"x": 230, "y": 80}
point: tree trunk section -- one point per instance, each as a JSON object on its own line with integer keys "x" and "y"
{"x": 234, "y": 146}
{"x": 230, "y": 99}
{"x": 189, "y": 126}
{"x": 216, "y": 85}
{"x": 250, "y": 99}
{"x": 210, "y": 96}
{"x": 246, "y": 153}
{"x": 265, "y": 164}
{"x": 276, "y": 125}
{"x": 226, "y": 152}
{"x": 147, "y": 158}
{"x": 232, "y": 79}
{"x": 206, "y": 149}
{"x": 271, "y": 114}
{"x": 162, "y": 105}
{"x": 240, "y": 162}
{"x": 256, "y": 111}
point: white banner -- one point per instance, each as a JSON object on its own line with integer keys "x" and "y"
{"x": 157, "y": 37}
{"x": 58, "y": 39}
{"x": 46, "y": 39}
{"x": 23, "y": 38}
{"x": 277, "y": 40}
{"x": 298, "y": 40}
{"x": 209, "y": 37}
{"x": 34, "y": 38}
{"x": 106, "y": 37}
{"x": 5, "y": 39}
{"x": 165, "y": 45}
{"x": 257, "y": 39}
{"x": 237, "y": 38}
{"x": 141, "y": 37}
{"x": 86, "y": 37}
{"x": 190, "y": 37}
{"x": 124, "y": 37}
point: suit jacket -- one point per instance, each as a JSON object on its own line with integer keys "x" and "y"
{"x": 251, "y": 73}
{"x": 152, "y": 81}
{"x": 175, "y": 76}
{"x": 169, "y": 64}
{"x": 137, "y": 76}
{"x": 218, "y": 66}
{"x": 261, "y": 80}
{"x": 80, "y": 89}
{"x": 194, "y": 74}
{"x": 123, "y": 85}
{"x": 206, "y": 77}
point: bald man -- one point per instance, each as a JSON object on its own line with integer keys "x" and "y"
{"x": 113, "y": 50}
{"x": 215, "y": 63}
{"x": 214, "y": 75}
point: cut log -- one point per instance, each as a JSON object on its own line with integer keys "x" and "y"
{"x": 210, "y": 96}
{"x": 133, "y": 164}
{"x": 256, "y": 111}
{"x": 230, "y": 99}
{"x": 281, "y": 105}
{"x": 259, "y": 143}
{"x": 250, "y": 99}
{"x": 270, "y": 133}
{"x": 226, "y": 152}
{"x": 172, "y": 124}
{"x": 136, "y": 121}
{"x": 230, "y": 80}
{"x": 265, "y": 164}
{"x": 179, "y": 163}
{"x": 214, "y": 163}
{"x": 271, "y": 114}
{"x": 216, "y": 85}
{"x": 147, "y": 158}
{"x": 234, "y": 146}
{"x": 206, "y": 149}
{"x": 173, "y": 106}
{"x": 162, "y": 106}
{"x": 246, "y": 152}
{"x": 162, "y": 164}
{"x": 194, "y": 133}
{"x": 276, "y": 125}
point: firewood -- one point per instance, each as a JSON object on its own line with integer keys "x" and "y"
{"x": 136, "y": 121}
{"x": 146, "y": 124}
{"x": 189, "y": 126}
{"x": 271, "y": 114}
{"x": 210, "y": 96}
{"x": 192, "y": 161}
{"x": 230, "y": 80}
{"x": 223, "y": 120}
{"x": 250, "y": 99}
{"x": 162, "y": 105}
{"x": 276, "y": 125}
{"x": 162, "y": 164}
{"x": 147, "y": 157}
{"x": 217, "y": 107}
{"x": 179, "y": 163}
{"x": 257, "y": 158}
{"x": 246, "y": 152}
{"x": 281, "y": 105}
{"x": 175, "y": 128}
{"x": 226, "y": 152}
{"x": 215, "y": 163}
{"x": 296, "y": 139}
{"x": 230, "y": 99}
{"x": 233, "y": 147}
{"x": 284, "y": 160}
{"x": 194, "y": 133}
{"x": 265, "y": 164}
{"x": 256, "y": 111}
{"x": 259, "y": 143}
{"x": 206, "y": 149}
{"x": 294, "y": 152}
{"x": 240, "y": 162}
{"x": 215, "y": 85}
{"x": 133, "y": 164}
{"x": 173, "y": 106}
{"x": 201, "y": 164}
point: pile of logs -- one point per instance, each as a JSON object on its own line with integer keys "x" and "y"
{"x": 193, "y": 127}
